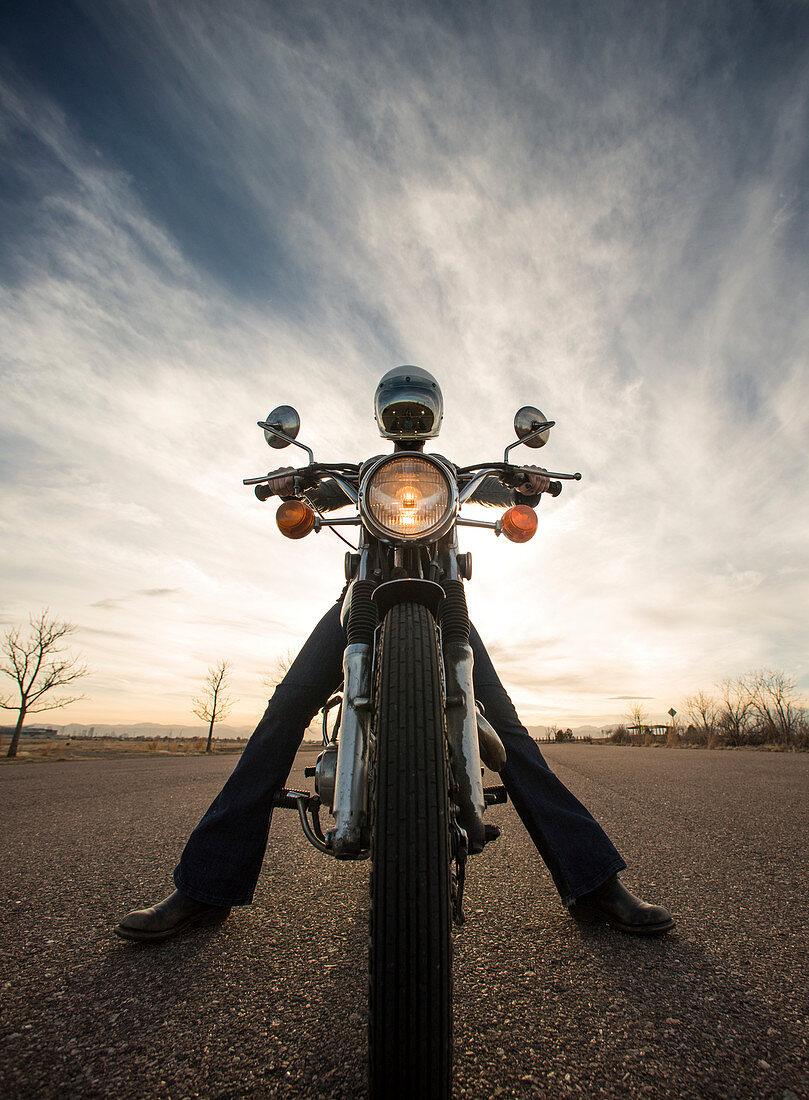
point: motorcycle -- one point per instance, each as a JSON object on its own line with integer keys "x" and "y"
{"x": 401, "y": 770}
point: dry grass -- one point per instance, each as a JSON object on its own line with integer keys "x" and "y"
{"x": 86, "y": 748}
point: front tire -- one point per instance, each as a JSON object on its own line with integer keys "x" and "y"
{"x": 410, "y": 1037}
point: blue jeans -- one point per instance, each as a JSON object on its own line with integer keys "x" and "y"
{"x": 222, "y": 860}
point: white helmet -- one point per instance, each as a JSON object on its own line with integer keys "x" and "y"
{"x": 408, "y": 404}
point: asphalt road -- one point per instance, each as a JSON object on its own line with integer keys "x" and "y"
{"x": 273, "y": 1003}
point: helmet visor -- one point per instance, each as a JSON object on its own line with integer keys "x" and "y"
{"x": 408, "y": 411}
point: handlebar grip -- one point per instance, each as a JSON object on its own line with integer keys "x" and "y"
{"x": 554, "y": 489}
{"x": 264, "y": 492}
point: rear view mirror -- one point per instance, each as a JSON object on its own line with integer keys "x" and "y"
{"x": 527, "y": 423}
{"x": 285, "y": 421}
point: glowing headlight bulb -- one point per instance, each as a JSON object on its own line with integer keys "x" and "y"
{"x": 409, "y": 503}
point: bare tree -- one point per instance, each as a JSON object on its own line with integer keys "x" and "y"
{"x": 619, "y": 735}
{"x": 735, "y": 706}
{"x": 38, "y": 664}
{"x": 214, "y": 704}
{"x": 702, "y": 710}
{"x": 637, "y": 716}
{"x": 281, "y": 666}
{"x": 775, "y": 702}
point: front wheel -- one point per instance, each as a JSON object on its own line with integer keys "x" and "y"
{"x": 410, "y": 1037}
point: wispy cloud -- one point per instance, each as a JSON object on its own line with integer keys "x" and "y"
{"x": 598, "y": 209}
{"x": 114, "y": 603}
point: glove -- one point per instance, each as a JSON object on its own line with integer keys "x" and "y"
{"x": 281, "y": 483}
{"x": 538, "y": 481}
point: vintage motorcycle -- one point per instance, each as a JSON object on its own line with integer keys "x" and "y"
{"x": 400, "y": 770}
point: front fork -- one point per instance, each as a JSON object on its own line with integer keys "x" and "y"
{"x": 350, "y": 836}
{"x": 464, "y": 745}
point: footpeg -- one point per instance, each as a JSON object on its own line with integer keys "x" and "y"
{"x": 495, "y": 796}
{"x": 304, "y": 803}
{"x": 290, "y": 800}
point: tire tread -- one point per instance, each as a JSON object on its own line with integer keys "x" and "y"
{"x": 411, "y": 935}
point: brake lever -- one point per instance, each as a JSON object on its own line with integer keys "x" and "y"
{"x": 554, "y": 473}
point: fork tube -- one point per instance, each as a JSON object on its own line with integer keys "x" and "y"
{"x": 462, "y": 727}
{"x": 347, "y": 839}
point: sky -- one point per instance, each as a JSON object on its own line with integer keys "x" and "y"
{"x": 209, "y": 210}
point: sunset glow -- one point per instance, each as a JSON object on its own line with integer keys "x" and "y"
{"x": 212, "y": 212}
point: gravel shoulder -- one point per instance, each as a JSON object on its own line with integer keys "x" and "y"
{"x": 273, "y": 1003}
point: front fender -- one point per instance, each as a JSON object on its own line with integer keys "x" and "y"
{"x": 408, "y": 590}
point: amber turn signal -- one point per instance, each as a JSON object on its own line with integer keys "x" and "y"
{"x": 519, "y": 523}
{"x": 295, "y": 519}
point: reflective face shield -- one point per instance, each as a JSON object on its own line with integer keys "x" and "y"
{"x": 408, "y": 404}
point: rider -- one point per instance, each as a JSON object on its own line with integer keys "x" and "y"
{"x": 220, "y": 864}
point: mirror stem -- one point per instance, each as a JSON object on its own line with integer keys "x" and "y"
{"x": 269, "y": 428}
{"x": 527, "y": 438}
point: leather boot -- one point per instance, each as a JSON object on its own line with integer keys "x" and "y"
{"x": 613, "y": 903}
{"x": 176, "y": 914}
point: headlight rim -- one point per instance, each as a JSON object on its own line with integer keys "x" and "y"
{"x": 438, "y": 530}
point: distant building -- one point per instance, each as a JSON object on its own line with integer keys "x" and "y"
{"x": 33, "y": 732}
{"x": 659, "y": 732}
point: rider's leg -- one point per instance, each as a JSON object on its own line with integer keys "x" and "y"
{"x": 577, "y": 851}
{"x": 222, "y": 859}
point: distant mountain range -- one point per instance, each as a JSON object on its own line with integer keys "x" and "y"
{"x": 152, "y": 730}
{"x": 156, "y": 730}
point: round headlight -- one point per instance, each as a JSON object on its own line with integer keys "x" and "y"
{"x": 408, "y": 496}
